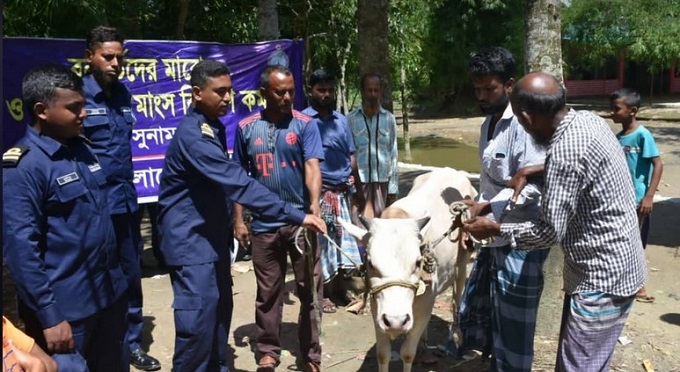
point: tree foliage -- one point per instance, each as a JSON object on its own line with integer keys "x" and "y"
{"x": 431, "y": 41}
{"x": 459, "y": 28}
{"x": 646, "y": 31}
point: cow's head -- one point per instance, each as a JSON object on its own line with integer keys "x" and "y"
{"x": 392, "y": 268}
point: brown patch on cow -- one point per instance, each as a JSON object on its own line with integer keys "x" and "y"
{"x": 394, "y": 212}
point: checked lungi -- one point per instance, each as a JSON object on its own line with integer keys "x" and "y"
{"x": 499, "y": 306}
{"x": 591, "y": 324}
{"x": 516, "y": 287}
{"x": 335, "y": 205}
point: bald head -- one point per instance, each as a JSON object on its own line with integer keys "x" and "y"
{"x": 539, "y": 93}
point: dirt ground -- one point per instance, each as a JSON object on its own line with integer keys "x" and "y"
{"x": 348, "y": 340}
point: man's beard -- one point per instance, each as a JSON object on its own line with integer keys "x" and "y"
{"x": 541, "y": 143}
{"x": 371, "y": 102}
{"x": 328, "y": 104}
{"x": 102, "y": 77}
{"x": 496, "y": 107}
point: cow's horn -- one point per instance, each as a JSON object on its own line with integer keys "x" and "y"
{"x": 366, "y": 221}
{"x": 422, "y": 222}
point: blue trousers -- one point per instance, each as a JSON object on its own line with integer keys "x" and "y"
{"x": 203, "y": 306}
{"x": 99, "y": 338}
{"x": 130, "y": 245}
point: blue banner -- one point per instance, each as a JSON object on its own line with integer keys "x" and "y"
{"x": 157, "y": 74}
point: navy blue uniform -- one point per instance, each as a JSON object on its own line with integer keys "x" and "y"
{"x": 108, "y": 125}
{"x": 59, "y": 246}
{"x": 197, "y": 188}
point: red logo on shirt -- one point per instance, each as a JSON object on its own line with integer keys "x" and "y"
{"x": 291, "y": 138}
{"x": 264, "y": 162}
{"x": 258, "y": 142}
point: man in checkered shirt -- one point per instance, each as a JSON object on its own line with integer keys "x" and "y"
{"x": 587, "y": 206}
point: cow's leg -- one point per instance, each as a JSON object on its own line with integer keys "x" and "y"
{"x": 383, "y": 350}
{"x": 410, "y": 345}
{"x": 383, "y": 343}
{"x": 422, "y": 310}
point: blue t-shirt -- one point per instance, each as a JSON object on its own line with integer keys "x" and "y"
{"x": 639, "y": 148}
{"x": 275, "y": 155}
{"x": 338, "y": 146}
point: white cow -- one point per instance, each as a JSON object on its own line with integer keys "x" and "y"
{"x": 401, "y": 302}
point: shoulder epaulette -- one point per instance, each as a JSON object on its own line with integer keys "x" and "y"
{"x": 207, "y": 130}
{"x": 11, "y": 157}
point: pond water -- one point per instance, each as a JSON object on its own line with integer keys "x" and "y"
{"x": 441, "y": 152}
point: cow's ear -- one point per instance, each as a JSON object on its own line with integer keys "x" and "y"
{"x": 368, "y": 222}
{"x": 354, "y": 230}
{"x": 422, "y": 222}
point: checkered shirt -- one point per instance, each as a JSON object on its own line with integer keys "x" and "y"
{"x": 589, "y": 207}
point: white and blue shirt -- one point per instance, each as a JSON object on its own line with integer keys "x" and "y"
{"x": 510, "y": 149}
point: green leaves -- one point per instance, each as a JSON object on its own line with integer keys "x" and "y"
{"x": 647, "y": 31}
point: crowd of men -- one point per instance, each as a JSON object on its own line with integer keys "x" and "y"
{"x": 72, "y": 242}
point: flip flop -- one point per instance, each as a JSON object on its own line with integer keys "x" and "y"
{"x": 645, "y": 299}
{"x": 328, "y": 307}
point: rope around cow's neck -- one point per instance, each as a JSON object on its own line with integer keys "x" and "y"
{"x": 459, "y": 208}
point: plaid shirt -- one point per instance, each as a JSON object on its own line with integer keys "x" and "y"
{"x": 589, "y": 207}
{"x": 375, "y": 139}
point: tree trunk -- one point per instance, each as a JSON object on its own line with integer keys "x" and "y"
{"x": 182, "y": 15}
{"x": 341, "y": 98}
{"x": 543, "y": 52}
{"x": 267, "y": 20}
{"x": 404, "y": 111}
{"x": 373, "y": 41}
{"x": 542, "y": 38}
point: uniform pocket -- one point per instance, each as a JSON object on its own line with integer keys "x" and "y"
{"x": 65, "y": 199}
{"x": 97, "y": 127}
{"x": 187, "y": 315}
{"x": 71, "y": 191}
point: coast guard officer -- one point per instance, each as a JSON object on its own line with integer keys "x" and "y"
{"x": 109, "y": 127}
{"x": 197, "y": 188}
{"x": 58, "y": 241}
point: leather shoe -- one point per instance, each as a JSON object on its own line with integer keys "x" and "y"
{"x": 141, "y": 360}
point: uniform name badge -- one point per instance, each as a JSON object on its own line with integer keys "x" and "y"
{"x": 94, "y": 167}
{"x": 63, "y": 180}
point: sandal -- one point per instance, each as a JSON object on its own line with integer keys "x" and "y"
{"x": 342, "y": 299}
{"x": 312, "y": 367}
{"x": 328, "y": 307}
{"x": 645, "y": 299}
{"x": 267, "y": 364}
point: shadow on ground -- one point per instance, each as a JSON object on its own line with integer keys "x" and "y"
{"x": 438, "y": 330}
{"x": 245, "y": 335}
{"x": 671, "y": 318}
{"x": 664, "y": 231}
